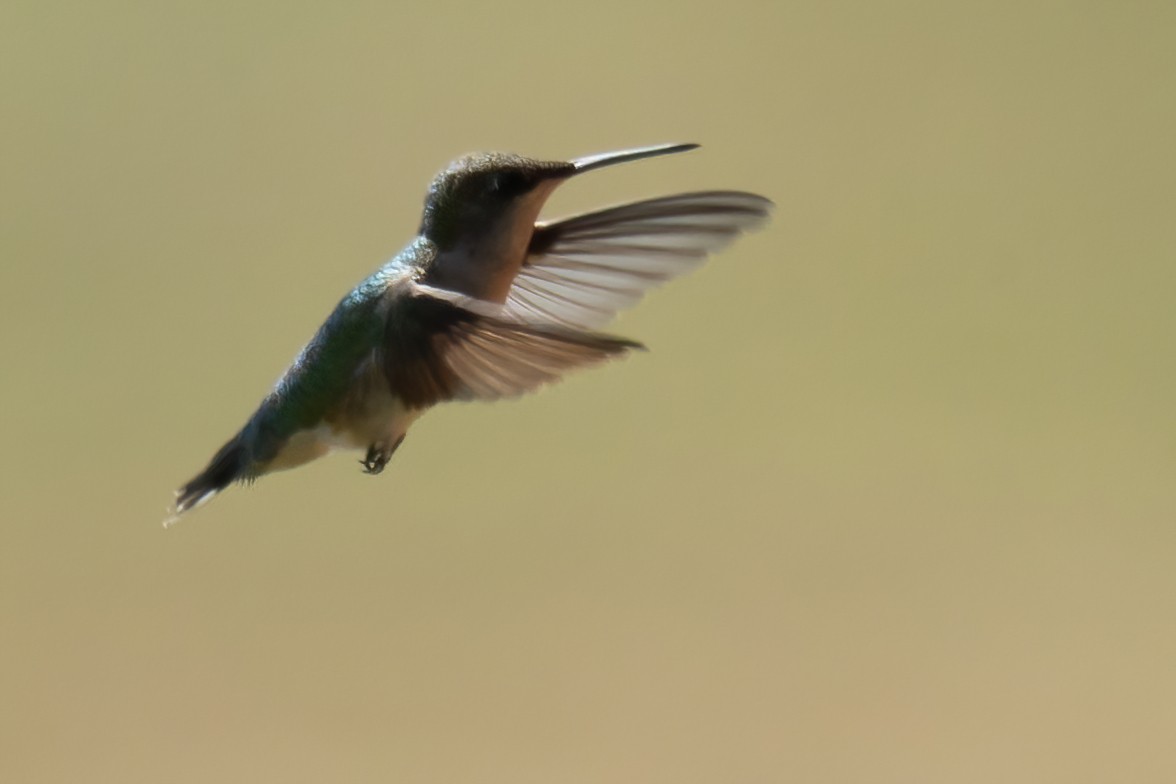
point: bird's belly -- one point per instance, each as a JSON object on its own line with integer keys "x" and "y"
{"x": 300, "y": 448}
{"x": 383, "y": 420}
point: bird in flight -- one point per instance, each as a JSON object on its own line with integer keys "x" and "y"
{"x": 486, "y": 303}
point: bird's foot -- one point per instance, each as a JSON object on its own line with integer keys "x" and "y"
{"x": 378, "y": 456}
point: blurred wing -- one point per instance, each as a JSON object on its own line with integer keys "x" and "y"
{"x": 437, "y": 350}
{"x": 580, "y": 271}
{"x": 502, "y": 359}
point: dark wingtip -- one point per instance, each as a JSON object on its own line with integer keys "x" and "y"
{"x": 226, "y": 466}
{"x": 618, "y": 345}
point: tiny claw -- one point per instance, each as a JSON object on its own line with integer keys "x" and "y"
{"x": 378, "y": 456}
{"x": 374, "y": 462}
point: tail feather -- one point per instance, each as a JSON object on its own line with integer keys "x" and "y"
{"x": 226, "y": 466}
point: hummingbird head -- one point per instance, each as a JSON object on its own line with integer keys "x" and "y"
{"x": 482, "y": 196}
{"x": 490, "y": 201}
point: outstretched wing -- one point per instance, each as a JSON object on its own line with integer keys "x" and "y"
{"x": 580, "y": 271}
{"x": 444, "y": 346}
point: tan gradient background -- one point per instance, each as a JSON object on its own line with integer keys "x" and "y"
{"x": 890, "y": 500}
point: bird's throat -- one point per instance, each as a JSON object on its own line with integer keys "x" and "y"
{"x": 485, "y": 266}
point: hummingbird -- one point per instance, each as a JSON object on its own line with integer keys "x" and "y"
{"x": 485, "y": 303}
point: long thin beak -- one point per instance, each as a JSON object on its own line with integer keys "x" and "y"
{"x": 590, "y": 162}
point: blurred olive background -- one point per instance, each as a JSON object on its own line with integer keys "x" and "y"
{"x": 891, "y": 499}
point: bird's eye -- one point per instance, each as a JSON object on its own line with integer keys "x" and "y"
{"x": 508, "y": 183}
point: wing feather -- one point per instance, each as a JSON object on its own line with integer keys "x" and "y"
{"x": 581, "y": 271}
{"x": 450, "y": 347}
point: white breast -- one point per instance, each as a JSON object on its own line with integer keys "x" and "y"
{"x": 385, "y": 420}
